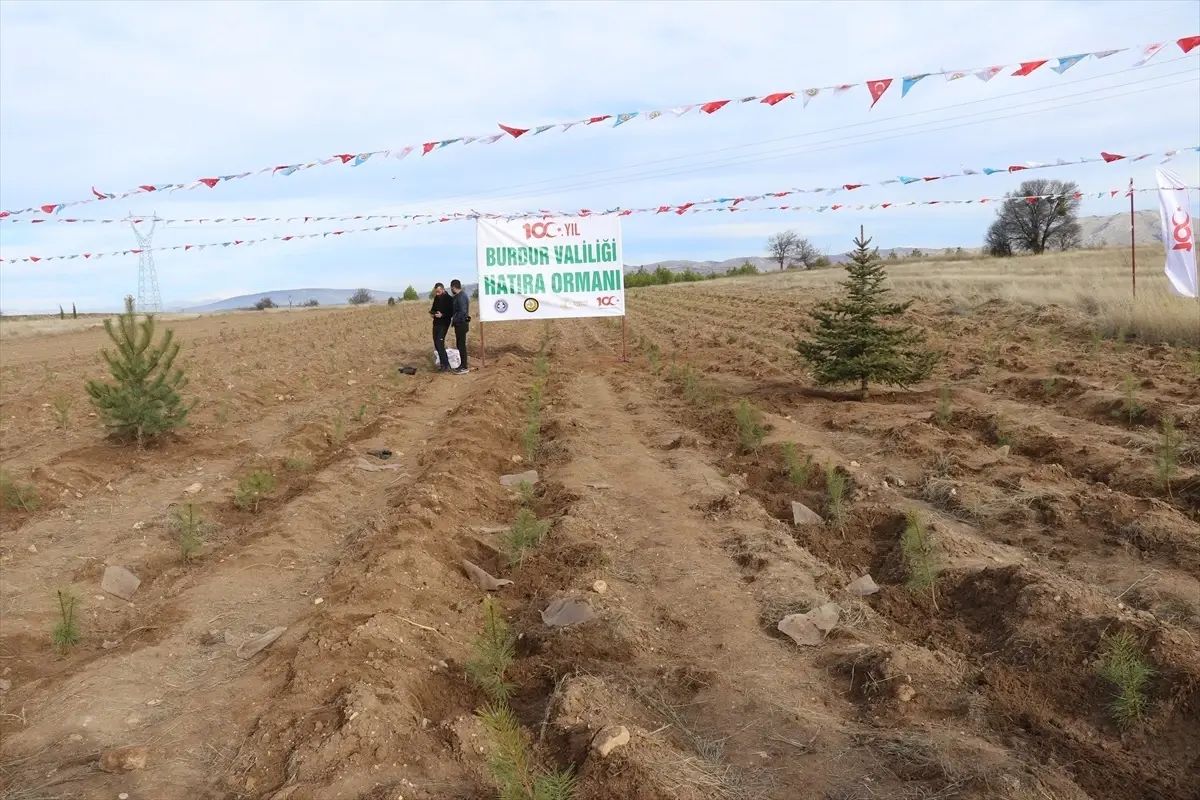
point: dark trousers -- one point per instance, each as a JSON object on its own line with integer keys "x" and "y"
{"x": 460, "y": 342}
{"x": 439, "y": 343}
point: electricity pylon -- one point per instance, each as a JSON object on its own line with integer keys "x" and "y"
{"x": 148, "y": 298}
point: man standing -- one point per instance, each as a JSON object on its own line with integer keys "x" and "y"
{"x": 460, "y": 319}
{"x": 441, "y": 311}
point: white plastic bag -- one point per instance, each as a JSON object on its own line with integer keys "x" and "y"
{"x": 451, "y": 356}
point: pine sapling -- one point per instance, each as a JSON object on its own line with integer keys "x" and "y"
{"x": 145, "y": 402}
{"x": 525, "y": 494}
{"x": 250, "y": 490}
{"x": 751, "y": 430}
{"x": 492, "y": 653}
{"x": 191, "y": 527}
{"x": 66, "y": 630}
{"x": 18, "y": 495}
{"x": 1133, "y": 410}
{"x": 1122, "y": 665}
{"x": 848, "y": 341}
{"x": 62, "y": 410}
{"x": 944, "y": 412}
{"x": 1166, "y": 461}
{"x": 835, "y": 496}
{"x": 526, "y": 533}
{"x": 920, "y": 557}
{"x": 511, "y": 762}
{"x": 798, "y": 471}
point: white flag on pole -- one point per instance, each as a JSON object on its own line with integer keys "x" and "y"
{"x": 1178, "y": 234}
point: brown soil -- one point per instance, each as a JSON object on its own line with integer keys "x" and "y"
{"x": 984, "y": 687}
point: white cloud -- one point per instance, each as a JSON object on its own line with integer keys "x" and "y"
{"x": 116, "y": 94}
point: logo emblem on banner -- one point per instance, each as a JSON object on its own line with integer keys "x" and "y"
{"x": 501, "y": 306}
{"x": 531, "y": 304}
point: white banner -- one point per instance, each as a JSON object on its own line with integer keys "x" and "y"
{"x": 550, "y": 268}
{"x": 1178, "y": 233}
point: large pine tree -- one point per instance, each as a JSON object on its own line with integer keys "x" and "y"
{"x": 850, "y": 344}
{"x": 145, "y": 401}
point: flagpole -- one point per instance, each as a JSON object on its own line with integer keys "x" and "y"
{"x": 1132, "y": 243}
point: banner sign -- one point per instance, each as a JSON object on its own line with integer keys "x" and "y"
{"x": 550, "y": 268}
{"x": 1178, "y": 234}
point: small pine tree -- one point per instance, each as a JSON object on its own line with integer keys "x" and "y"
{"x": 391, "y": 301}
{"x": 145, "y": 401}
{"x": 850, "y": 344}
{"x": 411, "y": 294}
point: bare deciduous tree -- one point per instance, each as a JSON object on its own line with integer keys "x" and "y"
{"x": 1040, "y": 215}
{"x": 781, "y": 247}
{"x": 361, "y": 297}
{"x": 787, "y": 248}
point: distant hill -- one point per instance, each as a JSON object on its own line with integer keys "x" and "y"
{"x": 1113, "y": 230}
{"x": 326, "y": 297}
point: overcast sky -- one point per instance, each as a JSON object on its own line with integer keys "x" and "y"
{"x": 114, "y": 95}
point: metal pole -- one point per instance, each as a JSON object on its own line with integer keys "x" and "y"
{"x": 1132, "y": 244}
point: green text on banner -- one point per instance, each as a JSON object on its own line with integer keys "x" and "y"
{"x": 550, "y": 268}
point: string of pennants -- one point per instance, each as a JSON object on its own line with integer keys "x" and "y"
{"x": 875, "y": 88}
{"x": 1104, "y": 157}
{"x": 686, "y": 208}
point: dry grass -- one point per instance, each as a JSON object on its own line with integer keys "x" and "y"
{"x": 1096, "y": 282}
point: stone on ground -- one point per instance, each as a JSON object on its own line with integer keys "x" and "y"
{"x": 609, "y": 739}
{"x": 803, "y": 515}
{"x": 530, "y": 477}
{"x": 119, "y": 582}
{"x": 124, "y": 759}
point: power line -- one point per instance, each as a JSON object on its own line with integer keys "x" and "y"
{"x": 506, "y": 191}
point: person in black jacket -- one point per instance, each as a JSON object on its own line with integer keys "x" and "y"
{"x": 441, "y": 311}
{"x": 460, "y": 319}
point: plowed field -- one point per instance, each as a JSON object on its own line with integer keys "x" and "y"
{"x": 1030, "y": 458}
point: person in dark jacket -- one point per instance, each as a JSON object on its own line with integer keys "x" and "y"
{"x": 441, "y": 311}
{"x": 460, "y": 319}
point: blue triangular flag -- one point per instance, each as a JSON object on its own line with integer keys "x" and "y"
{"x": 1065, "y": 64}
{"x": 910, "y": 81}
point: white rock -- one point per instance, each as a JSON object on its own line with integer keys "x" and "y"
{"x": 862, "y": 586}
{"x": 854, "y": 463}
{"x": 193, "y": 489}
{"x": 119, "y": 582}
{"x": 33, "y": 549}
{"x": 599, "y": 587}
{"x": 530, "y": 477}
{"x": 803, "y": 515}
{"x": 251, "y": 648}
{"x": 809, "y": 629}
{"x": 609, "y": 739}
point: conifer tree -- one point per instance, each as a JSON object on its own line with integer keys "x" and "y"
{"x": 145, "y": 401}
{"x": 850, "y": 344}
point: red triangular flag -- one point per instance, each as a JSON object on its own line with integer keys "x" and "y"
{"x": 877, "y": 88}
{"x": 1028, "y": 67}
{"x": 210, "y": 182}
{"x": 715, "y": 105}
{"x": 1189, "y": 43}
{"x": 1031, "y": 200}
{"x": 934, "y": 178}
{"x": 514, "y": 132}
{"x": 49, "y": 209}
{"x": 428, "y": 146}
{"x": 101, "y": 197}
{"x": 188, "y": 246}
{"x": 345, "y": 157}
{"x": 685, "y": 207}
{"x": 1016, "y": 168}
{"x": 35, "y": 259}
{"x": 779, "y": 97}
{"x": 36, "y": 221}
{"x": 884, "y": 205}
{"x": 146, "y": 188}
{"x": 594, "y": 120}
{"x": 835, "y": 207}
{"x": 849, "y": 187}
{"x": 1110, "y": 157}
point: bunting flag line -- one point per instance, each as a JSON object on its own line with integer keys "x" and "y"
{"x": 1104, "y": 157}
{"x": 876, "y": 88}
{"x": 679, "y": 210}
